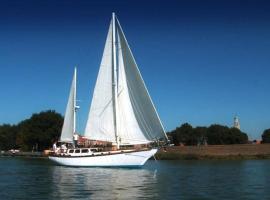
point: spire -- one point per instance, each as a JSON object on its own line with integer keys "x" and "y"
{"x": 236, "y": 123}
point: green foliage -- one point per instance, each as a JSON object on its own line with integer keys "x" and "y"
{"x": 188, "y": 135}
{"x": 7, "y": 137}
{"x": 215, "y": 134}
{"x": 36, "y": 133}
{"x": 266, "y": 136}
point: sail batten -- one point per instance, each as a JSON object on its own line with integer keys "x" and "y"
{"x": 122, "y": 110}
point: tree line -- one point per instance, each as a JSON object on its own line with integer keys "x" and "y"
{"x": 42, "y": 129}
{"x": 266, "y": 136}
{"x": 36, "y": 133}
{"x": 212, "y": 135}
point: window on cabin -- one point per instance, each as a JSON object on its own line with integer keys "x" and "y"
{"x": 77, "y": 151}
{"x": 71, "y": 151}
{"x": 84, "y": 150}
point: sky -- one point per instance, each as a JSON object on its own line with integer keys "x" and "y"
{"x": 203, "y": 62}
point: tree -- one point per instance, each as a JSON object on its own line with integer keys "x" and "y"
{"x": 8, "y": 135}
{"x": 183, "y": 134}
{"x": 237, "y": 137}
{"x": 214, "y": 134}
{"x": 200, "y": 133}
{"x": 266, "y": 136}
{"x": 39, "y": 131}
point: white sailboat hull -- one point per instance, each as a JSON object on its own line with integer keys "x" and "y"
{"x": 125, "y": 159}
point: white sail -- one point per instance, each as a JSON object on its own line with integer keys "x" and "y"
{"x": 129, "y": 131}
{"x": 68, "y": 128}
{"x": 129, "y": 117}
{"x": 100, "y": 124}
{"x": 140, "y": 121}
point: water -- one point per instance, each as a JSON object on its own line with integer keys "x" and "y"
{"x": 22, "y": 178}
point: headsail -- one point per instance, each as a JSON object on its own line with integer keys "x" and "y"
{"x": 68, "y": 128}
{"x": 137, "y": 120}
{"x": 141, "y": 113}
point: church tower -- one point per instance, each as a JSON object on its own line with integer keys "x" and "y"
{"x": 236, "y": 123}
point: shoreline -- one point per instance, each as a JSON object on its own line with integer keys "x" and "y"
{"x": 215, "y": 152}
{"x": 24, "y": 154}
{"x": 209, "y": 152}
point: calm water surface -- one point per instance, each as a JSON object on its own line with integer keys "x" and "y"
{"x": 22, "y": 178}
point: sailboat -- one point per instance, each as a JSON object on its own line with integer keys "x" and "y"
{"x": 121, "y": 112}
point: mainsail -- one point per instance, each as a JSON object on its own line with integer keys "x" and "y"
{"x": 130, "y": 116}
{"x": 68, "y": 128}
{"x": 100, "y": 124}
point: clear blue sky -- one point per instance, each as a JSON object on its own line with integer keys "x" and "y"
{"x": 202, "y": 61}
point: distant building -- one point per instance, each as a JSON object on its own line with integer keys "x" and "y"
{"x": 236, "y": 123}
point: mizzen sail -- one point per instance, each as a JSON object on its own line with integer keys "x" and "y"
{"x": 68, "y": 128}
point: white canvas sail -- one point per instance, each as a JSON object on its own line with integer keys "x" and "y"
{"x": 68, "y": 128}
{"x": 137, "y": 121}
{"x": 135, "y": 103}
{"x": 100, "y": 124}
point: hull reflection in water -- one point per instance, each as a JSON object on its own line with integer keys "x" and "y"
{"x": 102, "y": 183}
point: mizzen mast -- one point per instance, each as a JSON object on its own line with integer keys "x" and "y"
{"x": 74, "y": 100}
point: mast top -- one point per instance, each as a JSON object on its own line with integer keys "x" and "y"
{"x": 113, "y": 16}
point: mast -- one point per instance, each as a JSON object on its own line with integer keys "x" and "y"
{"x": 114, "y": 81}
{"x": 74, "y": 100}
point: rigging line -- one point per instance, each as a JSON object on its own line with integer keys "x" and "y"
{"x": 106, "y": 106}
